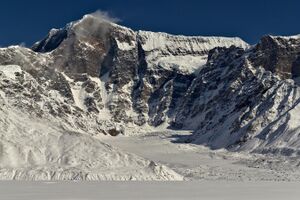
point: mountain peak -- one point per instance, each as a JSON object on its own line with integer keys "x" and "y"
{"x": 100, "y": 25}
{"x": 279, "y": 54}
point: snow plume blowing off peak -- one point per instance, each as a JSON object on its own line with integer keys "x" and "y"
{"x": 91, "y": 33}
{"x": 92, "y": 26}
{"x": 104, "y": 16}
{"x": 96, "y": 24}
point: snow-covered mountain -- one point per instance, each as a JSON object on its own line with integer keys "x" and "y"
{"x": 94, "y": 77}
{"x": 247, "y": 99}
{"x": 142, "y": 74}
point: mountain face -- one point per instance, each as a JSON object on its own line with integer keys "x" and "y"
{"x": 103, "y": 77}
{"x": 246, "y": 99}
{"x": 94, "y": 77}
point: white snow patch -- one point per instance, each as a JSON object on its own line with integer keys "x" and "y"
{"x": 78, "y": 93}
{"x": 10, "y": 70}
{"x": 125, "y": 46}
{"x": 160, "y": 40}
{"x": 186, "y": 64}
{"x": 106, "y": 98}
{"x": 287, "y": 37}
{"x": 54, "y": 94}
{"x": 186, "y": 53}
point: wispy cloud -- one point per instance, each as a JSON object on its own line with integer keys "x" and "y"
{"x": 105, "y": 16}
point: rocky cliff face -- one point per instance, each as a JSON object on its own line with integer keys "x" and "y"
{"x": 98, "y": 77}
{"x": 246, "y": 99}
{"x": 279, "y": 55}
{"x": 112, "y": 73}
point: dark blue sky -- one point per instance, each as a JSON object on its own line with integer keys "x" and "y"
{"x": 29, "y": 20}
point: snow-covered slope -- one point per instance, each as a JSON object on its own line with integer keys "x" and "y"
{"x": 34, "y": 148}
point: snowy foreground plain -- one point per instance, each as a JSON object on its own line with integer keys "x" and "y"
{"x": 209, "y": 175}
{"x": 197, "y": 162}
{"x": 208, "y": 190}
